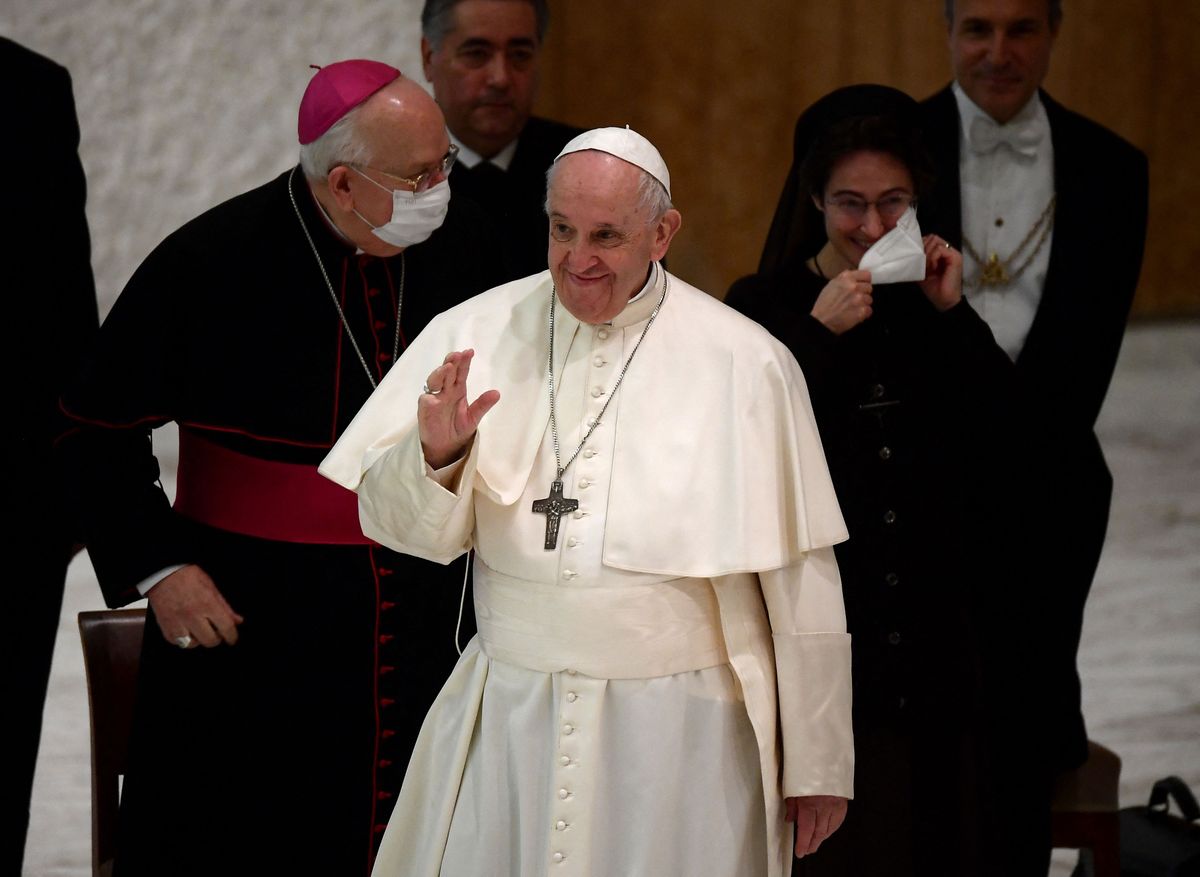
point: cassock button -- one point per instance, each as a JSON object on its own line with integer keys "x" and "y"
{"x": 599, "y": 362}
{"x": 577, "y": 514}
{"x": 572, "y": 697}
{"x": 602, "y": 334}
{"x": 568, "y": 729}
{"x": 385, "y": 357}
{"x": 572, "y": 542}
{"x": 583, "y": 483}
{"x": 999, "y": 221}
{"x": 877, "y": 391}
{"x": 379, "y": 324}
{"x": 560, "y": 826}
{"x": 372, "y": 292}
{"x": 564, "y": 760}
{"x": 894, "y": 638}
{"x": 563, "y": 794}
{"x": 885, "y": 453}
{"x": 597, "y": 392}
{"x": 892, "y": 579}
{"x": 588, "y": 453}
{"x": 889, "y": 517}
{"x": 558, "y": 857}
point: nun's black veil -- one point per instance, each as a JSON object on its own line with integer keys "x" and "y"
{"x": 798, "y": 228}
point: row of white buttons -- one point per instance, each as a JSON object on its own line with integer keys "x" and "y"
{"x": 564, "y": 760}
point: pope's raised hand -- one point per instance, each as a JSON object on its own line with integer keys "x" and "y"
{"x": 445, "y": 422}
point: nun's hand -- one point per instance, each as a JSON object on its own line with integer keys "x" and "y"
{"x": 845, "y": 301}
{"x": 943, "y": 273}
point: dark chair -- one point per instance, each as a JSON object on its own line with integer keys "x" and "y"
{"x": 1084, "y": 813}
{"x": 112, "y": 646}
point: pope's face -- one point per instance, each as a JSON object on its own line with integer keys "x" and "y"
{"x": 871, "y": 178}
{"x": 601, "y": 241}
{"x": 484, "y": 74}
{"x": 1001, "y": 52}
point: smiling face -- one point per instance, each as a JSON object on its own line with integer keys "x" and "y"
{"x": 484, "y": 74}
{"x": 1001, "y": 52}
{"x": 859, "y": 177}
{"x": 602, "y": 240}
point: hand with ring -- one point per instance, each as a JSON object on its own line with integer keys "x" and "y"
{"x": 943, "y": 273}
{"x": 191, "y": 611}
{"x": 445, "y": 422}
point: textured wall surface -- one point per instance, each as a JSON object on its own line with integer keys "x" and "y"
{"x": 184, "y": 104}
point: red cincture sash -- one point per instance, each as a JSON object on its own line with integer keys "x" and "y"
{"x": 285, "y": 502}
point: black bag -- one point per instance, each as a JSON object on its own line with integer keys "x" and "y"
{"x": 1156, "y": 843}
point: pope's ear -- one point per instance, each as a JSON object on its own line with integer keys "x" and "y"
{"x": 820, "y": 205}
{"x": 664, "y": 232}
{"x": 338, "y": 185}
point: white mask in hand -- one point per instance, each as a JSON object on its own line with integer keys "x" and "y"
{"x": 899, "y": 255}
{"x": 415, "y": 215}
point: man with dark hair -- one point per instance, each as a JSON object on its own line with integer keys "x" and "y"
{"x": 482, "y": 58}
{"x": 1049, "y": 209}
{"x": 51, "y": 315}
{"x": 260, "y": 327}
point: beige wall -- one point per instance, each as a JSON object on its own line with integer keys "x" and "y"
{"x": 718, "y": 87}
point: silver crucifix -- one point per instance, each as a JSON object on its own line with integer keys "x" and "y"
{"x": 554, "y": 507}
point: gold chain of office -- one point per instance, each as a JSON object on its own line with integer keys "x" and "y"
{"x": 995, "y": 271}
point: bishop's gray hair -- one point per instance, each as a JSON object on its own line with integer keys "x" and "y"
{"x": 437, "y": 19}
{"x": 652, "y": 195}
{"x": 341, "y": 144}
{"x": 1053, "y": 10}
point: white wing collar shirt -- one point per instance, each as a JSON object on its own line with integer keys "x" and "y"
{"x": 1007, "y": 180}
{"x": 618, "y": 711}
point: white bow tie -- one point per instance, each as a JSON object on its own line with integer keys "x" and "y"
{"x": 1022, "y": 137}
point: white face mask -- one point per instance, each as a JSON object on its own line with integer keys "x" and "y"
{"x": 415, "y": 215}
{"x": 899, "y": 255}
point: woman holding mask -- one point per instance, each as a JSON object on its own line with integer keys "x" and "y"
{"x": 910, "y": 392}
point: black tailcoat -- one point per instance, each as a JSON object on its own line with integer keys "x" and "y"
{"x": 515, "y": 199}
{"x": 280, "y": 754}
{"x": 50, "y": 308}
{"x": 1063, "y": 372}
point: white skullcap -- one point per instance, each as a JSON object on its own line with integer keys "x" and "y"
{"x": 627, "y": 145}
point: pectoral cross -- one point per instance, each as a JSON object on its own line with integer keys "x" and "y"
{"x": 554, "y": 507}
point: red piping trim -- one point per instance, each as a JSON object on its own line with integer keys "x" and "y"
{"x": 378, "y": 722}
{"x": 337, "y": 360}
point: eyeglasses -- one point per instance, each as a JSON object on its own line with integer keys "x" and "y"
{"x": 889, "y": 206}
{"x": 425, "y": 179}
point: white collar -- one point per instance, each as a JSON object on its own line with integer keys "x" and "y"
{"x": 470, "y": 158}
{"x": 1032, "y": 114}
{"x": 640, "y": 306}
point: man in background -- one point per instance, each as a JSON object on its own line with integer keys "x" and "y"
{"x": 482, "y": 57}
{"x": 50, "y": 302}
{"x": 1049, "y": 209}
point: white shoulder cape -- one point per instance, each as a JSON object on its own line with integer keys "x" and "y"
{"x": 718, "y": 466}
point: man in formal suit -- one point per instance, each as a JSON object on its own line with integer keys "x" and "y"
{"x": 482, "y": 58}
{"x": 51, "y": 314}
{"x": 1049, "y": 209}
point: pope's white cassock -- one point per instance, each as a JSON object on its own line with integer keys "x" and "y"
{"x": 640, "y": 698}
